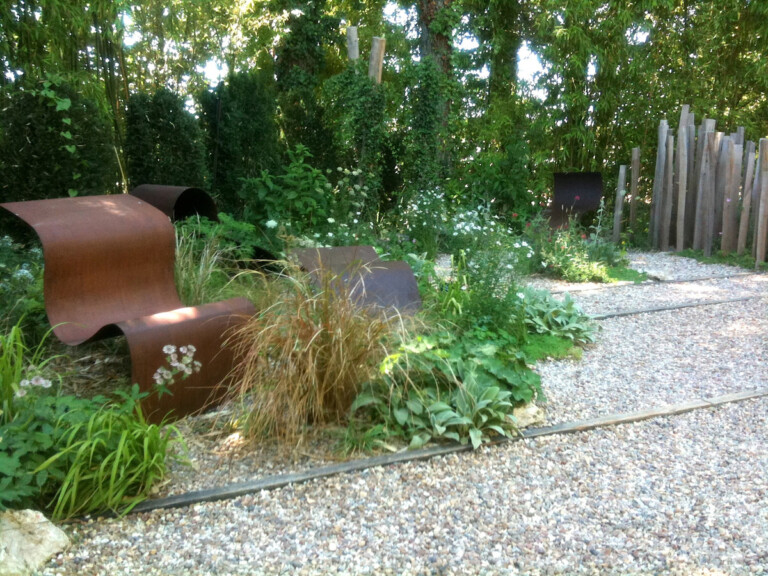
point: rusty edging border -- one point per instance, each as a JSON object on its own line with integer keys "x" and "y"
{"x": 676, "y": 307}
{"x": 283, "y": 480}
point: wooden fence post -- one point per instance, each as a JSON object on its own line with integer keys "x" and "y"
{"x": 746, "y": 199}
{"x": 690, "y": 189}
{"x": 721, "y": 175}
{"x": 761, "y": 180}
{"x": 669, "y": 194}
{"x": 700, "y": 186}
{"x": 621, "y": 190}
{"x": 634, "y": 183}
{"x": 762, "y": 221}
{"x": 713, "y": 143}
{"x": 756, "y": 193}
{"x": 353, "y": 44}
{"x": 682, "y": 189}
{"x": 376, "y": 63}
{"x": 731, "y": 200}
{"x": 658, "y": 185}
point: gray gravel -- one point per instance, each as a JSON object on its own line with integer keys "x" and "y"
{"x": 680, "y": 495}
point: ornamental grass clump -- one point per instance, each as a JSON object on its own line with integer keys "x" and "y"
{"x": 304, "y": 359}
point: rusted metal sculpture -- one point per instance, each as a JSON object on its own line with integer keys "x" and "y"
{"x": 178, "y": 202}
{"x": 109, "y": 269}
{"x": 371, "y": 282}
{"x": 574, "y": 193}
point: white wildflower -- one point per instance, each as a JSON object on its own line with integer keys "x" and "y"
{"x": 271, "y": 224}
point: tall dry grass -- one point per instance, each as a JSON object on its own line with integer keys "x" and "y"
{"x": 303, "y": 360}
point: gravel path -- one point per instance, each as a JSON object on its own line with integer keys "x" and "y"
{"x": 677, "y": 495}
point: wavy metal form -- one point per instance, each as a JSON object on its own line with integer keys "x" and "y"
{"x": 109, "y": 269}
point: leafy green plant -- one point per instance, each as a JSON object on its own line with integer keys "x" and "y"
{"x": 200, "y": 267}
{"x": 55, "y": 142}
{"x": 113, "y": 459}
{"x": 211, "y": 258}
{"x": 30, "y": 439}
{"x": 546, "y": 315}
{"x": 164, "y": 143}
{"x": 441, "y": 387}
{"x": 297, "y": 199}
{"x": 21, "y": 288}
{"x": 19, "y": 365}
{"x": 73, "y": 455}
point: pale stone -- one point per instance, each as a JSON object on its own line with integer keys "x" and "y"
{"x": 27, "y": 541}
{"x": 529, "y": 415}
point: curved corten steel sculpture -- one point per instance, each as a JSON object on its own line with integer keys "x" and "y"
{"x": 178, "y": 202}
{"x": 372, "y": 282}
{"x": 109, "y": 269}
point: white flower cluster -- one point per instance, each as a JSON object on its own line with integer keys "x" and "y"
{"x": 473, "y": 221}
{"x": 424, "y": 210}
{"x": 181, "y": 362}
{"x": 527, "y": 250}
{"x": 36, "y": 382}
{"x": 23, "y": 273}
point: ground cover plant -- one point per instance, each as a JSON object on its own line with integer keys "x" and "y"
{"x": 71, "y": 455}
{"x": 745, "y": 260}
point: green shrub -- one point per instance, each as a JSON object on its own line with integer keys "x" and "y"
{"x": 443, "y": 387}
{"x": 546, "y": 315}
{"x": 75, "y": 456}
{"x": 113, "y": 460}
{"x": 298, "y": 199}
{"x": 19, "y": 365}
{"x": 71, "y": 455}
{"x": 238, "y": 118}
{"x": 53, "y": 142}
{"x": 21, "y": 288}
{"x": 164, "y": 143}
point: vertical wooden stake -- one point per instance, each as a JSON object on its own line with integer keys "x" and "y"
{"x": 690, "y": 188}
{"x": 720, "y": 165}
{"x": 762, "y": 164}
{"x": 731, "y": 198}
{"x": 746, "y": 199}
{"x": 713, "y": 143}
{"x": 669, "y": 194}
{"x": 682, "y": 189}
{"x": 762, "y": 221}
{"x": 376, "y": 63}
{"x": 353, "y": 44}
{"x": 634, "y": 182}
{"x": 658, "y": 184}
{"x": 621, "y": 190}
{"x": 701, "y": 192}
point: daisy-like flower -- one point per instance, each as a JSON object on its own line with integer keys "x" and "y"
{"x": 271, "y": 224}
{"x": 169, "y": 349}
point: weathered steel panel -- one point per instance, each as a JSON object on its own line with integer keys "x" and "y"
{"x": 575, "y": 193}
{"x": 369, "y": 280}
